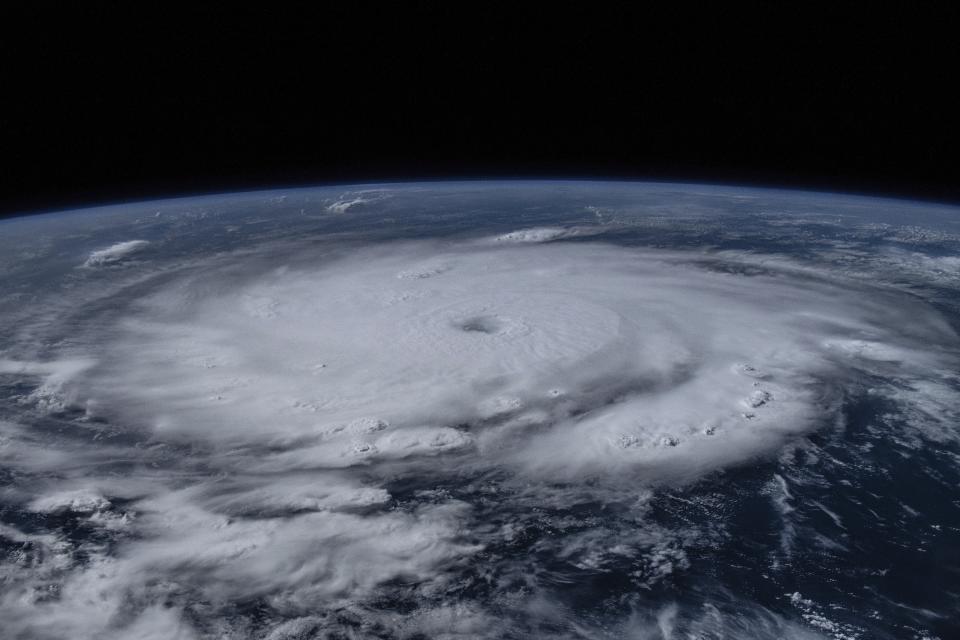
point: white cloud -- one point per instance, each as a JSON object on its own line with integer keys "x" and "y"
{"x": 49, "y": 395}
{"x": 77, "y": 500}
{"x": 645, "y": 344}
{"x": 353, "y": 199}
{"x": 286, "y": 436}
{"x": 544, "y": 234}
{"x": 114, "y": 253}
{"x": 540, "y": 234}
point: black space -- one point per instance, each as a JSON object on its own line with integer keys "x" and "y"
{"x": 109, "y": 102}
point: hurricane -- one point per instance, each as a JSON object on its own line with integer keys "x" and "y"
{"x": 349, "y": 414}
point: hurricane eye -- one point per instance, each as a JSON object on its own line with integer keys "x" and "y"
{"x": 480, "y": 324}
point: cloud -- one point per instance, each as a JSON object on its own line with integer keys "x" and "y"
{"x": 298, "y": 562}
{"x": 78, "y": 501}
{"x": 543, "y": 234}
{"x": 49, "y": 395}
{"x": 354, "y": 199}
{"x": 300, "y": 438}
{"x": 341, "y": 206}
{"x": 651, "y": 353}
{"x": 114, "y": 253}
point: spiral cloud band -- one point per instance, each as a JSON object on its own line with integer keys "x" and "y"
{"x": 556, "y": 359}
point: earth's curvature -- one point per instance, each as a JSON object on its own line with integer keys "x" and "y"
{"x": 482, "y": 410}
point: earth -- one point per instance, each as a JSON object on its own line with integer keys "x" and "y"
{"x": 482, "y": 410}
